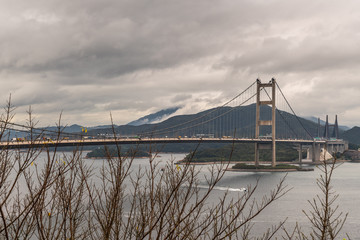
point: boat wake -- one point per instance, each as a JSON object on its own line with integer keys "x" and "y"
{"x": 224, "y": 188}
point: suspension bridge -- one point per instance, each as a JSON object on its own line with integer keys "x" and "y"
{"x": 260, "y": 114}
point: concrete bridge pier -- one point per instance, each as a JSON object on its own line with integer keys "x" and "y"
{"x": 341, "y": 148}
{"x": 256, "y": 154}
{"x": 326, "y": 150}
{"x": 304, "y": 147}
{"x": 316, "y": 151}
{"x": 331, "y": 148}
{"x": 300, "y": 153}
{"x": 308, "y": 153}
{"x": 335, "y": 148}
{"x": 338, "y": 148}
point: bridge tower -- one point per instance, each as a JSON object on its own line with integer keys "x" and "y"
{"x": 271, "y": 122}
{"x": 326, "y": 131}
{"x": 335, "y": 133}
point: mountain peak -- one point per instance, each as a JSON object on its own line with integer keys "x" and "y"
{"x": 154, "y": 117}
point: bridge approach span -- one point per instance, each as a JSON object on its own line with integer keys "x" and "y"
{"x": 113, "y": 141}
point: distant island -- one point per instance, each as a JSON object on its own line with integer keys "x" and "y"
{"x": 242, "y": 152}
{"x": 243, "y": 167}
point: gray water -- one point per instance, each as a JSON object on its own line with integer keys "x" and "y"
{"x": 303, "y": 188}
{"x": 345, "y": 181}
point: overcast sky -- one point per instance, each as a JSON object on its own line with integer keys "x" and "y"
{"x": 131, "y": 58}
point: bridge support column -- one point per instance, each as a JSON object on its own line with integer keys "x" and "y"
{"x": 341, "y": 148}
{"x": 256, "y": 154}
{"x": 300, "y": 153}
{"x": 326, "y": 147}
{"x": 316, "y": 152}
{"x": 331, "y": 148}
{"x": 308, "y": 153}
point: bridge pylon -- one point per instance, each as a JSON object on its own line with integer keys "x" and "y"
{"x": 335, "y": 133}
{"x": 259, "y": 123}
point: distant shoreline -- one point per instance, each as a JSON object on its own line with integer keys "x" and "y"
{"x": 270, "y": 170}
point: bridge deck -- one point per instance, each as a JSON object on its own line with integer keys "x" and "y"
{"x": 113, "y": 141}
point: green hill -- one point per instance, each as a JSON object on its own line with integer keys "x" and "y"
{"x": 244, "y": 152}
{"x": 352, "y": 135}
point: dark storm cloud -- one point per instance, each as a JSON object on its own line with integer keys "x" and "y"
{"x": 134, "y": 57}
{"x": 112, "y": 39}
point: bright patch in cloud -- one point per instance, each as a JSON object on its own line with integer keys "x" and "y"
{"x": 40, "y": 17}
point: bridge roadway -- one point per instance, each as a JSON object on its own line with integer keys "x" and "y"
{"x": 113, "y": 141}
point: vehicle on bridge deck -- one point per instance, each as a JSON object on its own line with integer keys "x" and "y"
{"x": 203, "y": 135}
{"x": 267, "y": 136}
{"x": 16, "y": 139}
